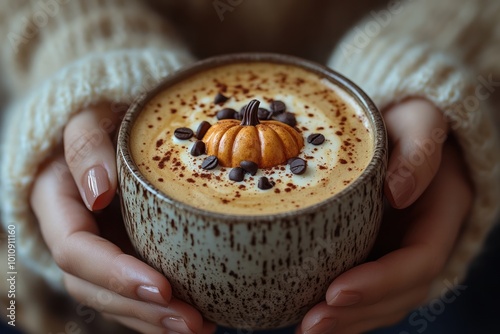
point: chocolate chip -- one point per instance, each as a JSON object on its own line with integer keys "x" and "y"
{"x": 183, "y": 133}
{"x": 210, "y": 162}
{"x": 287, "y": 118}
{"x": 237, "y": 174}
{"x": 264, "y": 183}
{"x": 277, "y": 107}
{"x": 239, "y": 115}
{"x": 316, "y": 139}
{"x": 226, "y": 113}
{"x": 298, "y": 166}
{"x": 198, "y": 148}
{"x": 249, "y": 167}
{"x": 264, "y": 114}
{"x": 202, "y": 129}
{"x": 220, "y": 99}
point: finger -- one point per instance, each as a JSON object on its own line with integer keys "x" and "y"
{"x": 366, "y": 325}
{"x": 170, "y": 317}
{"x": 417, "y": 131}
{"x": 136, "y": 324}
{"x": 329, "y": 326}
{"x": 90, "y": 155}
{"x": 209, "y": 327}
{"x": 71, "y": 235}
{"x": 437, "y": 218}
{"x": 144, "y": 327}
{"x": 323, "y": 317}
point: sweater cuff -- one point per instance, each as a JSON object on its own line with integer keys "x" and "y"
{"x": 390, "y": 71}
{"x": 35, "y": 128}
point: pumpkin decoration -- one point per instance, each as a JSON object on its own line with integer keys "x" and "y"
{"x": 267, "y": 143}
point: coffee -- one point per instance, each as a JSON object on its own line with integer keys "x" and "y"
{"x": 284, "y": 134}
{"x": 337, "y": 140}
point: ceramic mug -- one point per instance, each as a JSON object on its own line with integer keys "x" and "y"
{"x": 308, "y": 248}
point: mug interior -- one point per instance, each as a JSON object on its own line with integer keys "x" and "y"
{"x": 371, "y": 112}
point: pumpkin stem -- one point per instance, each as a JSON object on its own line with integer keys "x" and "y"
{"x": 250, "y": 114}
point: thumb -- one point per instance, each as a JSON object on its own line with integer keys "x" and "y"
{"x": 90, "y": 155}
{"x": 417, "y": 131}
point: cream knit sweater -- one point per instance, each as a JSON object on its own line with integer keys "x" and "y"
{"x": 59, "y": 56}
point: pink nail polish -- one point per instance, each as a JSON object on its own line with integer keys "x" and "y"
{"x": 95, "y": 183}
{"x": 345, "y": 298}
{"x": 177, "y": 324}
{"x": 324, "y": 326}
{"x": 150, "y": 294}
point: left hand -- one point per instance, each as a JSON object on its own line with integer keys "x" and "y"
{"x": 426, "y": 178}
{"x": 101, "y": 270}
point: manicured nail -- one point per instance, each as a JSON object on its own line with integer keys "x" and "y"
{"x": 324, "y": 326}
{"x": 401, "y": 189}
{"x": 95, "y": 183}
{"x": 345, "y": 298}
{"x": 151, "y": 294}
{"x": 177, "y": 325}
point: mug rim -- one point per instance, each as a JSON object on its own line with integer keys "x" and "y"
{"x": 372, "y": 113}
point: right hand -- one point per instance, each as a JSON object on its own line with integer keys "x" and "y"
{"x": 97, "y": 272}
{"x": 414, "y": 244}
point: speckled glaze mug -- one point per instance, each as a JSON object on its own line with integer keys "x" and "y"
{"x": 253, "y": 272}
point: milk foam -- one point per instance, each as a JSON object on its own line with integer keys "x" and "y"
{"x": 319, "y": 107}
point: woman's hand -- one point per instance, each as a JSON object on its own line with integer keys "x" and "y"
{"x": 97, "y": 272}
{"x": 426, "y": 176}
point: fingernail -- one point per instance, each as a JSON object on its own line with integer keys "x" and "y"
{"x": 401, "y": 189}
{"x": 324, "y": 326}
{"x": 345, "y": 298}
{"x": 95, "y": 184}
{"x": 151, "y": 294}
{"x": 176, "y": 324}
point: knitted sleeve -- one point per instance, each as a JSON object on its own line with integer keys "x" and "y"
{"x": 59, "y": 56}
{"x": 443, "y": 51}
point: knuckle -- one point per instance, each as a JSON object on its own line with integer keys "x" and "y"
{"x": 62, "y": 258}
{"x": 79, "y": 145}
{"x": 117, "y": 280}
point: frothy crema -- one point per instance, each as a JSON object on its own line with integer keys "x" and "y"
{"x": 318, "y": 105}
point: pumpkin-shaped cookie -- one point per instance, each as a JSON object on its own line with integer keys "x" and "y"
{"x": 267, "y": 143}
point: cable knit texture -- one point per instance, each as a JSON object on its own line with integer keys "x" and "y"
{"x": 95, "y": 69}
{"x": 64, "y": 55}
{"x": 429, "y": 65}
